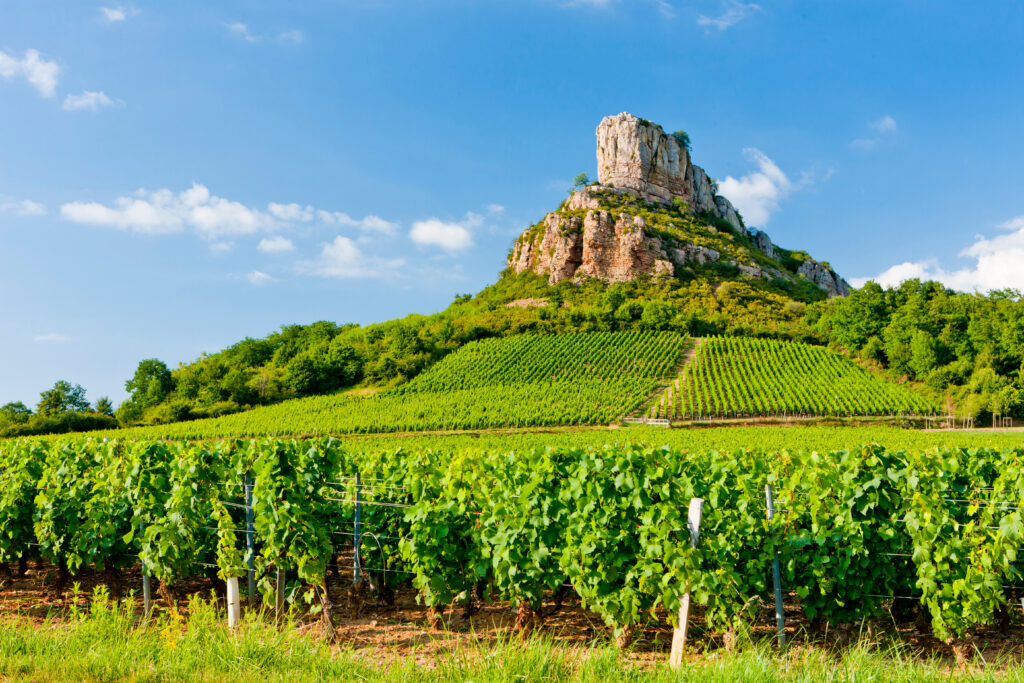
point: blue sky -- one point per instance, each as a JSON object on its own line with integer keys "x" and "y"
{"x": 177, "y": 176}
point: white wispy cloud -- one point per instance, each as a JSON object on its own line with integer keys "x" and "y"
{"x": 40, "y": 73}
{"x": 209, "y": 216}
{"x": 51, "y": 338}
{"x": 448, "y": 235}
{"x": 291, "y": 36}
{"x": 495, "y": 209}
{"x": 276, "y": 245}
{"x": 757, "y": 195}
{"x": 258, "y": 277}
{"x": 118, "y": 13}
{"x": 342, "y": 259}
{"x": 996, "y": 264}
{"x": 306, "y": 214}
{"x": 732, "y": 14}
{"x": 90, "y": 100}
{"x": 164, "y": 211}
{"x": 21, "y": 207}
{"x": 221, "y": 247}
{"x": 884, "y": 128}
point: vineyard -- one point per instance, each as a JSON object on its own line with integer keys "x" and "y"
{"x": 747, "y": 377}
{"x": 857, "y": 531}
{"x": 519, "y": 381}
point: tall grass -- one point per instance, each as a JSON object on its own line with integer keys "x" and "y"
{"x": 106, "y": 642}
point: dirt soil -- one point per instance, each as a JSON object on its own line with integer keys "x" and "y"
{"x": 383, "y": 633}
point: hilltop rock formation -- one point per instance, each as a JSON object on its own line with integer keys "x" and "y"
{"x": 637, "y": 155}
{"x": 636, "y": 158}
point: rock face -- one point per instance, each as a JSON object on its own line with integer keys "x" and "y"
{"x": 824, "y": 277}
{"x": 763, "y": 242}
{"x": 635, "y": 157}
{"x": 602, "y": 246}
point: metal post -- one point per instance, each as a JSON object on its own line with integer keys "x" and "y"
{"x": 780, "y": 622}
{"x": 250, "y": 538}
{"x": 356, "y": 564}
{"x": 675, "y": 658}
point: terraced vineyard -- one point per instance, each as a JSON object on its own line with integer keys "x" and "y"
{"x": 521, "y": 381}
{"x": 743, "y": 377}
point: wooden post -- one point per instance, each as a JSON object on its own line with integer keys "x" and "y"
{"x": 234, "y": 603}
{"x": 675, "y": 659}
{"x": 279, "y": 594}
{"x": 147, "y": 593}
{"x": 356, "y": 563}
{"x": 780, "y": 621}
{"x": 250, "y": 538}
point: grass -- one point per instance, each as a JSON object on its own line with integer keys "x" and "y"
{"x": 106, "y": 642}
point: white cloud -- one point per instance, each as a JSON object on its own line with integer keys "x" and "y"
{"x": 886, "y": 124}
{"x": 369, "y": 223}
{"x": 87, "y": 99}
{"x": 40, "y": 73}
{"x": 449, "y": 235}
{"x": 221, "y": 247}
{"x": 23, "y": 207}
{"x": 291, "y": 212}
{"x": 240, "y": 29}
{"x": 163, "y": 211}
{"x": 51, "y": 338}
{"x": 275, "y": 245}
{"x": 297, "y": 213}
{"x": 757, "y": 195}
{"x": 997, "y": 264}
{"x": 291, "y": 36}
{"x": 211, "y": 217}
{"x": 884, "y": 128}
{"x": 495, "y": 209}
{"x": 258, "y": 277}
{"x": 734, "y": 13}
{"x": 118, "y": 13}
{"x": 342, "y": 259}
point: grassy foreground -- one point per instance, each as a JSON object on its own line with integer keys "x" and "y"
{"x": 106, "y": 642}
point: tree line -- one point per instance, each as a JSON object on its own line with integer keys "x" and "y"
{"x": 965, "y": 351}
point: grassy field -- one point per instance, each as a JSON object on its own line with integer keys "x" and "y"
{"x": 107, "y": 642}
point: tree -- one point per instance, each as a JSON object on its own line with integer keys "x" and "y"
{"x": 581, "y": 181}
{"x": 151, "y": 384}
{"x": 683, "y": 139}
{"x": 15, "y": 412}
{"x": 104, "y": 406}
{"x": 64, "y": 397}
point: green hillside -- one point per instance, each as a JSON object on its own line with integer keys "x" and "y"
{"x": 523, "y": 381}
{"x": 737, "y": 377}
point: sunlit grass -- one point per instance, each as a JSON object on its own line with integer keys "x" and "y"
{"x": 107, "y": 642}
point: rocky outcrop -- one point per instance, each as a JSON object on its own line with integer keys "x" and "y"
{"x": 599, "y": 231}
{"x": 763, "y": 242}
{"x": 637, "y": 155}
{"x": 602, "y": 246}
{"x": 824, "y": 277}
{"x": 693, "y": 253}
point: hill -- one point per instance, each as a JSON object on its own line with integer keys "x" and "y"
{"x": 651, "y": 246}
{"x": 523, "y": 381}
{"x": 737, "y": 377}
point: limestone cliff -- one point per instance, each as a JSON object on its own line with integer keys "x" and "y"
{"x": 653, "y": 214}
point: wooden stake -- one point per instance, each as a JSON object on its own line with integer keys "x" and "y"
{"x": 279, "y": 595}
{"x": 675, "y": 659}
{"x": 234, "y": 603}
